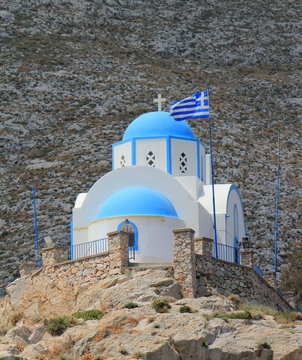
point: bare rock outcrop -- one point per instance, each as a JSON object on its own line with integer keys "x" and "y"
{"x": 140, "y": 332}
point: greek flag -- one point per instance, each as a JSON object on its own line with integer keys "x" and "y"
{"x": 195, "y": 106}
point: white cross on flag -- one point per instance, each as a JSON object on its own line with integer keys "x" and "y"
{"x": 193, "y": 107}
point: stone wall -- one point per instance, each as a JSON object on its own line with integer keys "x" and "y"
{"x": 194, "y": 267}
{"x": 86, "y": 270}
{"x": 215, "y": 276}
{"x": 54, "y": 254}
{"x": 184, "y": 261}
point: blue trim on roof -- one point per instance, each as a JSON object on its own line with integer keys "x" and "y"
{"x": 136, "y": 201}
{"x": 157, "y": 137}
{"x": 133, "y": 152}
{"x": 135, "y": 233}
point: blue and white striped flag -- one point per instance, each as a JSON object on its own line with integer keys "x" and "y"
{"x": 195, "y": 106}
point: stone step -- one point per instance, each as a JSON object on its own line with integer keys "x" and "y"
{"x": 142, "y": 266}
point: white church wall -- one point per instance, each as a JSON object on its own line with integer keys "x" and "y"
{"x": 153, "y": 150}
{"x": 80, "y": 235}
{"x": 221, "y": 198}
{"x": 156, "y": 179}
{"x": 208, "y": 170}
{"x": 155, "y": 235}
{"x": 122, "y": 155}
{"x": 220, "y": 227}
{"x": 205, "y": 223}
{"x": 202, "y": 162}
{"x": 189, "y": 149}
{"x": 192, "y": 184}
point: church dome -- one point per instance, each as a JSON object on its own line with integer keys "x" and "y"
{"x": 136, "y": 201}
{"x": 157, "y": 124}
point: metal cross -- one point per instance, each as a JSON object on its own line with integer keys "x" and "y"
{"x": 159, "y": 101}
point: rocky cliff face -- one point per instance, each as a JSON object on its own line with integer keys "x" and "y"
{"x": 141, "y": 332}
{"x": 75, "y": 73}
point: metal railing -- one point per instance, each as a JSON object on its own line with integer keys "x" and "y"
{"x": 258, "y": 270}
{"x": 89, "y": 248}
{"x": 131, "y": 253}
{"x": 94, "y": 247}
{"x": 227, "y": 253}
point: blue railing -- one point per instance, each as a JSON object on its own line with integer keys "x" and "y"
{"x": 89, "y": 248}
{"x": 227, "y": 253}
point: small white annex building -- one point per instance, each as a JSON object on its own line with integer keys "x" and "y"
{"x": 160, "y": 181}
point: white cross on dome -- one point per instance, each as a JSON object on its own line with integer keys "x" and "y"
{"x": 159, "y": 101}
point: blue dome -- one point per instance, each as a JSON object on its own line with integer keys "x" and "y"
{"x": 136, "y": 201}
{"x": 157, "y": 123}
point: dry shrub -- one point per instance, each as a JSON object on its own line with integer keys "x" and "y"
{"x": 15, "y": 317}
{"x": 130, "y": 321}
{"x": 87, "y": 356}
{"x": 101, "y": 335}
{"x": 116, "y": 329}
{"x": 20, "y": 347}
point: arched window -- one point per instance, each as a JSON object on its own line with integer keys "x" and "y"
{"x": 183, "y": 163}
{"x": 130, "y": 228}
{"x": 123, "y": 161}
{"x": 150, "y": 159}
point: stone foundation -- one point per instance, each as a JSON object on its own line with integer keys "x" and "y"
{"x": 197, "y": 271}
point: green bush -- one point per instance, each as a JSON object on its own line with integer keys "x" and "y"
{"x": 124, "y": 351}
{"x": 89, "y": 315}
{"x": 185, "y": 309}
{"x": 130, "y": 305}
{"x": 282, "y": 317}
{"x": 161, "y": 305}
{"x": 58, "y": 325}
{"x": 237, "y": 315}
{"x": 225, "y": 316}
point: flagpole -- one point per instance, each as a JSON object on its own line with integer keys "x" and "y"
{"x": 38, "y": 257}
{"x": 213, "y": 186}
{"x": 277, "y": 211}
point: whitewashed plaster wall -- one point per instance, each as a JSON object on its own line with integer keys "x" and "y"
{"x": 157, "y": 147}
{"x": 184, "y": 203}
{"x": 120, "y": 150}
{"x": 189, "y": 148}
{"x": 202, "y": 163}
{"x": 155, "y": 235}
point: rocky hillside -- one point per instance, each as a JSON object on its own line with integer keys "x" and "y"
{"x": 75, "y": 73}
{"x": 133, "y": 328}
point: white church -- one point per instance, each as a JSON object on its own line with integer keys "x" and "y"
{"x": 160, "y": 181}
